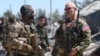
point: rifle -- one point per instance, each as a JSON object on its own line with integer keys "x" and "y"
{"x": 68, "y": 39}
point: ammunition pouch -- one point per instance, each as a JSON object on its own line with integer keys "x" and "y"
{"x": 33, "y": 40}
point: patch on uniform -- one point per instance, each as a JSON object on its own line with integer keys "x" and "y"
{"x": 69, "y": 25}
{"x": 85, "y": 28}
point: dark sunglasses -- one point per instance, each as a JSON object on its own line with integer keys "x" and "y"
{"x": 28, "y": 12}
{"x": 69, "y": 8}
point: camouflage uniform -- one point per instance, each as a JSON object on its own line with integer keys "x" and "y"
{"x": 42, "y": 31}
{"x": 80, "y": 42}
{"x": 27, "y": 23}
{"x": 12, "y": 44}
{"x": 32, "y": 37}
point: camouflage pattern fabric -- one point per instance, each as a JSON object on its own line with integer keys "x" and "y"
{"x": 80, "y": 46}
{"x": 41, "y": 30}
{"x": 12, "y": 44}
{"x": 32, "y": 38}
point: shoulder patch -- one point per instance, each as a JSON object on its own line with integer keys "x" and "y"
{"x": 85, "y": 28}
{"x": 82, "y": 21}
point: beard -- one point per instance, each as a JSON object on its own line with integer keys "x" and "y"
{"x": 32, "y": 19}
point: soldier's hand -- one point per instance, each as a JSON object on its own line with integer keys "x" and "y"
{"x": 73, "y": 52}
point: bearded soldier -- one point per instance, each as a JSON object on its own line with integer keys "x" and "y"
{"x": 20, "y": 37}
{"x": 73, "y": 35}
{"x": 27, "y": 22}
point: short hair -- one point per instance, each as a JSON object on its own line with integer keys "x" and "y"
{"x": 24, "y": 8}
{"x": 71, "y": 4}
{"x": 41, "y": 17}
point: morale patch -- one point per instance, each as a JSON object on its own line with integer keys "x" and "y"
{"x": 69, "y": 25}
{"x": 85, "y": 28}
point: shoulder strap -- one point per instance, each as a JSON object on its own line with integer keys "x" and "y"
{"x": 77, "y": 24}
{"x": 77, "y": 19}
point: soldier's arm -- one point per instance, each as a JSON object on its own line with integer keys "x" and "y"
{"x": 86, "y": 34}
{"x": 46, "y": 38}
{"x": 57, "y": 34}
{"x": 47, "y": 41}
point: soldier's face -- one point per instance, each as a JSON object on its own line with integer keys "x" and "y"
{"x": 42, "y": 21}
{"x": 30, "y": 14}
{"x": 70, "y": 10}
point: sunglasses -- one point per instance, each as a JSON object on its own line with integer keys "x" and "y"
{"x": 68, "y": 8}
{"x": 29, "y": 12}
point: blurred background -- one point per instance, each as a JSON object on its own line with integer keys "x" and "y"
{"x": 54, "y": 11}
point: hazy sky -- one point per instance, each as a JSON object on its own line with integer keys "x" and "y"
{"x": 36, "y": 4}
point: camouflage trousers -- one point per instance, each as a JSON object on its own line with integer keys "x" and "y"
{"x": 15, "y": 46}
{"x": 37, "y": 52}
{"x": 17, "y": 53}
{"x": 26, "y": 51}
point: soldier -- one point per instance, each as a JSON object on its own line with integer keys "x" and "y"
{"x": 73, "y": 35}
{"x": 11, "y": 43}
{"x": 27, "y": 13}
{"x": 42, "y": 31}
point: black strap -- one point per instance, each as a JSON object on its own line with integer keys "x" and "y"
{"x": 77, "y": 19}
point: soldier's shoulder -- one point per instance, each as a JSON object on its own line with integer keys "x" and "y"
{"x": 85, "y": 26}
{"x": 17, "y": 25}
{"x": 20, "y": 23}
{"x": 82, "y": 20}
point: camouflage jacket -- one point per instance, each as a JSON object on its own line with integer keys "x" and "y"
{"x": 30, "y": 34}
{"x": 79, "y": 41}
{"x": 42, "y": 31}
{"x": 11, "y": 34}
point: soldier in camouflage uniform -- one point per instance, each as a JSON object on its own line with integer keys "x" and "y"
{"x": 73, "y": 35}
{"x": 28, "y": 23}
{"x": 11, "y": 43}
{"x": 42, "y": 31}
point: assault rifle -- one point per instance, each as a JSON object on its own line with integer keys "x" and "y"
{"x": 72, "y": 34}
